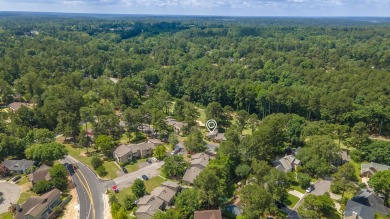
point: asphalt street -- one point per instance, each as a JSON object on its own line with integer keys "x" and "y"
{"x": 127, "y": 180}
{"x": 89, "y": 190}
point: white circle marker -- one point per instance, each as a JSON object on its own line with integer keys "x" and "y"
{"x": 211, "y": 125}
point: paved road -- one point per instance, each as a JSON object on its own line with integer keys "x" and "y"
{"x": 127, "y": 180}
{"x": 89, "y": 190}
{"x": 321, "y": 186}
{"x": 11, "y": 194}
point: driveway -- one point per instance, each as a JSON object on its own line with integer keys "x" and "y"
{"x": 127, "y": 180}
{"x": 11, "y": 193}
{"x": 321, "y": 186}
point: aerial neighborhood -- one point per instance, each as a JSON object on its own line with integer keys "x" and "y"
{"x": 195, "y": 118}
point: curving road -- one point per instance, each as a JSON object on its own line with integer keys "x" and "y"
{"x": 89, "y": 190}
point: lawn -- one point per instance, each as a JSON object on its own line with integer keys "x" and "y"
{"x": 132, "y": 167}
{"x": 381, "y": 216}
{"x": 23, "y": 180}
{"x": 121, "y": 195}
{"x": 24, "y": 196}
{"x": 80, "y": 154}
{"x": 357, "y": 168}
{"x": 297, "y": 187}
{"x": 202, "y": 115}
{"x": 332, "y": 215}
{"x": 291, "y": 201}
{"x": 153, "y": 183}
{"x": 6, "y": 215}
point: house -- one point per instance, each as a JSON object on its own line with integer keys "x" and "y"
{"x": 19, "y": 166}
{"x": 208, "y": 214}
{"x": 155, "y": 141}
{"x": 147, "y": 129}
{"x": 41, "y": 174}
{"x": 370, "y": 199}
{"x": 216, "y": 136}
{"x": 198, "y": 163}
{"x": 369, "y": 169}
{"x": 159, "y": 199}
{"x": 38, "y": 207}
{"x": 287, "y": 163}
{"x": 345, "y": 157}
{"x": 171, "y": 185}
{"x": 354, "y": 210}
{"x": 178, "y": 127}
{"x": 125, "y": 153}
{"x": 165, "y": 194}
{"x": 15, "y": 106}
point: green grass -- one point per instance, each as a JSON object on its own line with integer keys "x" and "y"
{"x": 297, "y": 187}
{"x": 357, "y": 167}
{"x": 132, "y": 167}
{"x": 291, "y": 201}
{"x": 23, "y": 180}
{"x": 153, "y": 183}
{"x": 202, "y": 115}
{"x": 332, "y": 215}
{"x": 6, "y": 215}
{"x": 121, "y": 195}
{"x": 24, "y": 196}
{"x": 377, "y": 216}
{"x": 80, "y": 154}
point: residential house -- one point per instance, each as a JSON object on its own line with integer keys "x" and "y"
{"x": 216, "y": 136}
{"x": 369, "y": 169}
{"x": 355, "y": 210}
{"x": 177, "y": 126}
{"x": 287, "y": 163}
{"x": 345, "y": 157}
{"x": 369, "y": 198}
{"x": 38, "y": 207}
{"x": 208, "y": 214}
{"x": 160, "y": 198}
{"x": 41, "y": 174}
{"x": 198, "y": 163}
{"x": 125, "y": 153}
{"x": 146, "y": 128}
{"x": 19, "y": 166}
{"x": 15, "y": 106}
{"x": 155, "y": 141}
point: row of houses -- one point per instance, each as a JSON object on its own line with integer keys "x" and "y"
{"x": 198, "y": 163}
{"x": 127, "y": 152}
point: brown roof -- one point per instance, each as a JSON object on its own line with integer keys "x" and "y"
{"x": 15, "y": 105}
{"x": 36, "y": 204}
{"x": 122, "y": 150}
{"x": 208, "y": 214}
{"x": 164, "y": 193}
{"x": 149, "y": 204}
{"x": 191, "y": 174}
{"x": 170, "y": 184}
{"x": 41, "y": 174}
{"x": 201, "y": 159}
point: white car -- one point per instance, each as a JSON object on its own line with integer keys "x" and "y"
{"x": 308, "y": 190}
{"x": 154, "y": 159}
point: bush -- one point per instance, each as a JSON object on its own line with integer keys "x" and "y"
{"x": 129, "y": 202}
{"x": 96, "y": 162}
{"x": 41, "y": 187}
{"x": 362, "y": 185}
{"x": 356, "y": 155}
{"x": 121, "y": 164}
{"x": 101, "y": 171}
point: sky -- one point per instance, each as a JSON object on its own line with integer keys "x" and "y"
{"x": 376, "y": 8}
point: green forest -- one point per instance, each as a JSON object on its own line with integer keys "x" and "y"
{"x": 270, "y": 83}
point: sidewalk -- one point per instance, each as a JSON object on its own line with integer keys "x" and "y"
{"x": 296, "y": 193}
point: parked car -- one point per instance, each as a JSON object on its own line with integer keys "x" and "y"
{"x": 154, "y": 159}
{"x": 115, "y": 189}
{"x": 136, "y": 201}
{"x": 139, "y": 178}
{"x": 279, "y": 204}
{"x": 310, "y": 189}
{"x": 16, "y": 178}
{"x": 145, "y": 177}
{"x": 177, "y": 150}
{"x": 124, "y": 170}
{"x": 149, "y": 160}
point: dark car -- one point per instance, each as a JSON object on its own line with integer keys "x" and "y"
{"x": 149, "y": 160}
{"x": 16, "y": 178}
{"x": 145, "y": 177}
{"x": 124, "y": 170}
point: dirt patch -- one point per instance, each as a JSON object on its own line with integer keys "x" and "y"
{"x": 108, "y": 214}
{"x": 71, "y": 211}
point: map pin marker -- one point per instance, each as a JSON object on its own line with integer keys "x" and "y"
{"x": 211, "y": 125}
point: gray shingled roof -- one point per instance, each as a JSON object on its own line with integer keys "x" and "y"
{"x": 368, "y": 198}
{"x": 354, "y": 208}
{"x": 122, "y": 150}
{"x": 18, "y": 165}
{"x": 373, "y": 167}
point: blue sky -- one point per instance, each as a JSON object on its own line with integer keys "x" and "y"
{"x": 207, "y": 7}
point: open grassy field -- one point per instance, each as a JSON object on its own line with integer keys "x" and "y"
{"x": 6, "y": 215}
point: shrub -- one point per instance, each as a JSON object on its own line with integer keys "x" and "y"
{"x": 96, "y": 161}
{"x": 357, "y": 155}
{"x": 101, "y": 171}
{"x": 129, "y": 202}
{"x": 304, "y": 180}
{"x": 41, "y": 187}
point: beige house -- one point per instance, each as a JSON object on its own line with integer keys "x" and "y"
{"x": 41, "y": 174}
{"x": 159, "y": 199}
{"x": 125, "y": 153}
{"x": 208, "y": 214}
{"x": 216, "y": 136}
{"x": 287, "y": 163}
{"x": 176, "y": 125}
{"x": 369, "y": 169}
{"x": 38, "y": 207}
{"x": 198, "y": 163}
